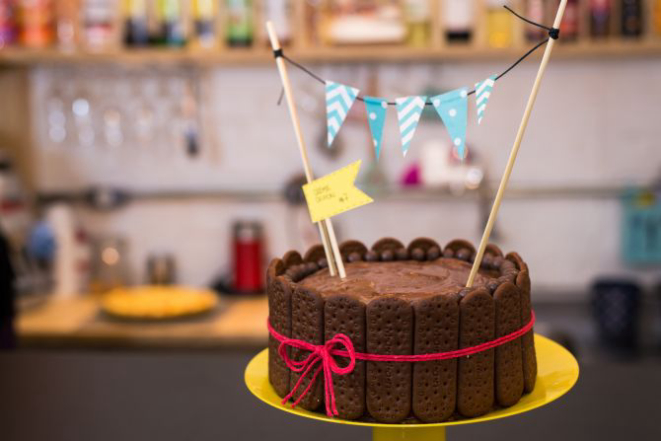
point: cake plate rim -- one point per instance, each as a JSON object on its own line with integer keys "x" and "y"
{"x": 557, "y": 373}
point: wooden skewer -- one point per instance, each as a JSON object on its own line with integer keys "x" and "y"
{"x": 515, "y": 148}
{"x": 326, "y": 231}
{"x": 335, "y": 248}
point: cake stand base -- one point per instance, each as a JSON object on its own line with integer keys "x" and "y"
{"x": 556, "y": 375}
{"x": 406, "y": 434}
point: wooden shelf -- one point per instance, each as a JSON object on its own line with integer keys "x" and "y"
{"x": 15, "y": 57}
{"x": 305, "y": 47}
{"x": 388, "y": 193}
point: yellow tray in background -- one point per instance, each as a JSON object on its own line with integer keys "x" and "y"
{"x": 557, "y": 374}
{"x": 153, "y": 302}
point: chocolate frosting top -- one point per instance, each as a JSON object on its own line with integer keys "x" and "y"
{"x": 406, "y": 279}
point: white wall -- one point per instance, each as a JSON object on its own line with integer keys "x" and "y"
{"x": 595, "y": 123}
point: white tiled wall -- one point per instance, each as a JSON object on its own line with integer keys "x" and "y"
{"x": 595, "y": 123}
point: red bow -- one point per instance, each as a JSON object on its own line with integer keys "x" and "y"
{"x": 320, "y": 356}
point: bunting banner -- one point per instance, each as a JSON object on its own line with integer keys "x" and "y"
{"x": 482, "y": 94}
{"x": 452, "y": 107}
{"x": 376, "y": 117}
{"x": 409, "y": 110}
{"x": 339, "y": 99}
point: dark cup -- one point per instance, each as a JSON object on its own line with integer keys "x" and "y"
{"x": 616, "y": 310}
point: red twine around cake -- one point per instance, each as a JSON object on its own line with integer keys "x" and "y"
{"x": 321, "y": 356}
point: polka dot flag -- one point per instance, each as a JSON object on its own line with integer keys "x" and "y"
{"x": 452, "y": 107}
{"x": 339, "y": 99}
{"x": 376, "y": 117}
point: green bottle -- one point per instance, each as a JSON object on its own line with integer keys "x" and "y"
{"x": 240, "y": 26}
{"x": 171, "y": 23}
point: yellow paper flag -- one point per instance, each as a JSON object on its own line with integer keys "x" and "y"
{"x": 334, "y": 193}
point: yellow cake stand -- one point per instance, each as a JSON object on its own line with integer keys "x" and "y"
{"x": 557, "y": 374}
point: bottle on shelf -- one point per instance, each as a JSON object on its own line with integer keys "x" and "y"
{"x": 315, "y": 23}
{"x": 656, "y": 19}
{"x": 240, "y": 26}
{"x": 632, "y": 22}
{"x": 600, "y": 18}
{"x": 35, "y": 18}
{"x": 279, "y": 12}
{"x": 500, "y": 24}
{"x": 7, "y": 23}
{"x": 136, "y": 23}
{"x": 570, "y": 24}
{"x": 458, "y": 20}
{"x": 418, "y": 25}
{"x": 204, "y": 17}
{"x": 535, "y": 11}
{"x": 71, "y": 266}
{"x": 99, "y": 24}
{"x": 66, "y": 24}
{"x": 171, "y": 23}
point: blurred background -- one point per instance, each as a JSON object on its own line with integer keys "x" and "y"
{"x": 148, "y": 174}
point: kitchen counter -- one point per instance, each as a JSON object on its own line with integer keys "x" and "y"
{"x": 241, "y": 323}
{"x": 79, "y": 322}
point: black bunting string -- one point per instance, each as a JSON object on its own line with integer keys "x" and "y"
{"x": 554, "y": 33}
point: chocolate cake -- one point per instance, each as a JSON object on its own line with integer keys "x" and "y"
{"x": 406, "y": 300}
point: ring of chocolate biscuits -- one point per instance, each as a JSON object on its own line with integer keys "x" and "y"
{"x": 431, "y": 391}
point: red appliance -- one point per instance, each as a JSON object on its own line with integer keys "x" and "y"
{"x": 248, "y": 256}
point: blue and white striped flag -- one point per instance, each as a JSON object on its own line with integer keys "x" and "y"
{"x": 452, "y": 107}
{"x": 409, "y": 110}
{"x": 482, "y": 93}
{"x": 339, "y": 99}
{"x": 376, "y": 117}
